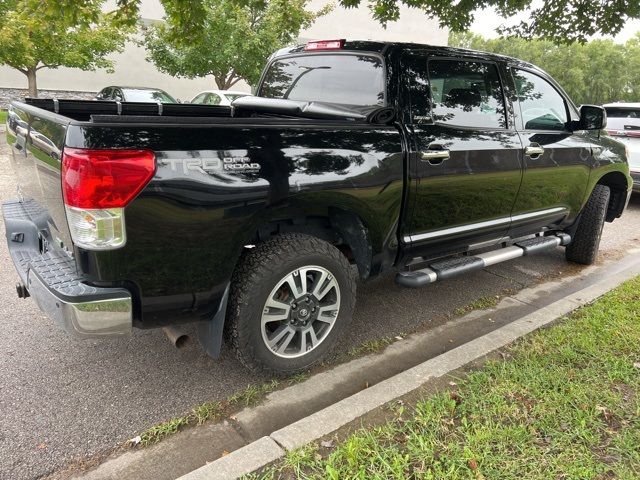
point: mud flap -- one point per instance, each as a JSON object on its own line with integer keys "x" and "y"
{"x": 210, "y": 333}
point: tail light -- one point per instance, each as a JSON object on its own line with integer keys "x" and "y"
{"x": 96, "y": 186}
{"x": 325, "y": 45}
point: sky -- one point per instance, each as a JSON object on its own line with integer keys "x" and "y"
{"x": 486, "y": 22}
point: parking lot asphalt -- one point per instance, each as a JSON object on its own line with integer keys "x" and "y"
{"x": 62, "y": 400}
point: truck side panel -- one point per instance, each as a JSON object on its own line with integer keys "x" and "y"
{"x": 217, "y": 186}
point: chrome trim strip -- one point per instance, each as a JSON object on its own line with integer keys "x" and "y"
{"x": 479, "y": 225}
{"x": 539, "y": 213}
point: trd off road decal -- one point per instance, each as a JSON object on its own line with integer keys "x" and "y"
{"x": 206, "y": 162}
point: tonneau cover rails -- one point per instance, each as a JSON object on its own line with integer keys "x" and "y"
{"x": 86, "y": 110}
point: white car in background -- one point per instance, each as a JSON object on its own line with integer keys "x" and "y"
{"x": 623, "y": 123}
{"x": 218, "y": 97}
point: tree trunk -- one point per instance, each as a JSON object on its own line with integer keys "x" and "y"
{"x": 33, "y": 84}
{"x": 225, "y": 82}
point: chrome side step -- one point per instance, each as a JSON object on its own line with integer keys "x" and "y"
{"x": 447, "y": 268}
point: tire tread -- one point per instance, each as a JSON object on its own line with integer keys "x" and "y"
{"x": 263, "y": 261}
{"x": 584, "y": 246}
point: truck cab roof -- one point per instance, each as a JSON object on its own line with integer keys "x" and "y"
{"x": 383, "y": 48}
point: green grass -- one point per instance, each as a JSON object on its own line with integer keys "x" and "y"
{"x": 211, "y": 411}
{"x": 370, "y": 346}
{"x": 564, "y": 405}
{"x": 3, "y": 117}
{"x": 483, "y": 303}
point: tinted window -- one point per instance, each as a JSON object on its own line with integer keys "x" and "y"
{"x": 105, "y": 94}
{"x": 343, "y": 79}
{"x": 466, "y": 93}
{"x": 617, "y": 112}
{"x": 199, "y": 98}
{"x": 141, "y": 95}
{"x": 414, "y": 69}
{"x": 233, "y": 96}
{"x": 117, "y": 95}
{"x": 212, "y": 99}
{"x": 541, "y": 106}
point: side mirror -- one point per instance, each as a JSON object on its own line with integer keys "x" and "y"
{"x": 592, "y": 117}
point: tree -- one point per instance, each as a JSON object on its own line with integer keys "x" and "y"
{"x": 562, "y": 21}
{"x": 599, "y": 71}
{"x": 35, "y": 35}
{"x": 234, "y": 42}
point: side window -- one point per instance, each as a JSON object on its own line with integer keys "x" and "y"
{"x": 117, "y": 95}
{"x": 199, "y": 98}
{"x": 213, "y": 99}
{"x": 105, "y": 94}
{"x": 541, "y": 106}
{"x": 414, "y": 69}
{"x": 466, "y": 93}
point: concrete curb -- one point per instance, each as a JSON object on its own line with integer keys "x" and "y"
{"x": 242, "y": 461}
{"x": 268, "y": 449}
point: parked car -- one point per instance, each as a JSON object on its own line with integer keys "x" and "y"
{"x": 425, "y": 161}
{"x": 623, "y": 123}
{"x": 134, "y": 94}
{"x": 218, "y": 97}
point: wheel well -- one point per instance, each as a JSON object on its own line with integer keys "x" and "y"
{"x": 342, "y": 229}
{"x": 617, "y": 183}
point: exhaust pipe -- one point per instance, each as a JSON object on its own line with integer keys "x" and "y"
{"x": 177, "y": 337}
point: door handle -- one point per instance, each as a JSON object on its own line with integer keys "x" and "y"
{"x": 434, "y": 157}
{"x": 533, "y": 151}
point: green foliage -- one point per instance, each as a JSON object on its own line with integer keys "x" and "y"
{"x": 233, "y": 41}
{"x": 37, "y": 34}
{"x": 598, "y": 71}
{"x": 565, "y": 404}
{"x": 559, "y": 20}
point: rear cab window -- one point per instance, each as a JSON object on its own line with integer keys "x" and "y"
{"x": 354, "y": 79}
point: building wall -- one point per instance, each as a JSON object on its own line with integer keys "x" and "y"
{"x": 131, "y": 67}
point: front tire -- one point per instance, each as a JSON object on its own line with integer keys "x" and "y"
{"x": 291, "y": 298}
{"x": 584, "y": 246}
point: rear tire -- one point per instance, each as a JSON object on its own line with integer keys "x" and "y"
{"x": 584, "y": 246}
{"x": 291, "y": 298}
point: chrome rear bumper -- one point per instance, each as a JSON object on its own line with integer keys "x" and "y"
{"x": 82, "y": 310}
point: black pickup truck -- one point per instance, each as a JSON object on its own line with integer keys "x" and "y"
{"x": 251, "y": 220}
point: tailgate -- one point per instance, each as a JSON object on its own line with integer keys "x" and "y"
{"x": 36, "y": 138}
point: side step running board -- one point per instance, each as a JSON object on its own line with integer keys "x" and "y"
{"x": 447, "y": 268}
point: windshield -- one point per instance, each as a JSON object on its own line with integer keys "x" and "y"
{"x": 154, "y": 96}
{"x": 342, "y": 79}
{"x": 233, "y": 96}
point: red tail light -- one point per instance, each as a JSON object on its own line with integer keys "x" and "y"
{"x": 104, "y": 178}
{"x": 325, "y": 45}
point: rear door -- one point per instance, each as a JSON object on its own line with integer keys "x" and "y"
{"x": 465, "y": 164}
{"x": 557, "y": 161}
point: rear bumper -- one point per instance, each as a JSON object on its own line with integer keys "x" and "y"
{"x": 82, "y": 310}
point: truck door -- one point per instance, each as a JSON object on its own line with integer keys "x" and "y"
{"x": 465, "y": 160}
{"x": 557, "y": 161}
